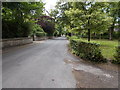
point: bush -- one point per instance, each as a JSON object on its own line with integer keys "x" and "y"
{"x": 26, "y": 28}
{"x": 117, "y": 56}
{"x": 13, "y": 29}
{"x": 48, "y": 25}
{"x": 56, "y": 33}
{"x": 73, "y": 37}
{"x": 67, "y": 37}
{"x": 36, "y": 28}
{"x": 38, "y": 31}
{"x": 40, "y": 34}
{"x": 87, "y": 51}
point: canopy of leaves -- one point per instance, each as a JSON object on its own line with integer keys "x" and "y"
{"x": 92, "y": 17}
{"x": 18, "y": 17}
{"x": 78, "y": 17}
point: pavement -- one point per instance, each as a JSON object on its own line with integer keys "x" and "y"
{"x": 49, "y": 64}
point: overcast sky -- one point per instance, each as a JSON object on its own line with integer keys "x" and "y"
{"x": 50, "y": 4}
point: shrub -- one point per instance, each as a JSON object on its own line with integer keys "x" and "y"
{"x": 67, "y": 37}
{"x": 117, "y": 56}
{"x": 47, "y": 23}
{"x": 73, "y": 37}
{"x": 56, "y": 33}
{"x": 40, "y": 34}
{"x": 38, "y": 31}
{"x": 26, "y": 28}
{"x": 36, "y": 28}
{"x": 14, "y": 29}
{"x": 87, "y": 51}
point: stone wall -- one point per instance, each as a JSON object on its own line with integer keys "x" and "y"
{"x": 40, "y": 38}
{"x": 15, "y": 42}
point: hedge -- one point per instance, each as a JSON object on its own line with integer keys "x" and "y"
{"x": 86, "y": 50}
{"x": 117, "y": 56}
{"x": 13, "y": 29}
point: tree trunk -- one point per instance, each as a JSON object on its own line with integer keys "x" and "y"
{"x": 111, "y": 30}
{"x": 111, "y": 33}
{"x": 88, "y": 29}
{"x": 88, "y": 34}
{"x": 34, "y": 37}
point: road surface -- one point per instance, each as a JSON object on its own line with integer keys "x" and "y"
{"x": 48, "y": 64}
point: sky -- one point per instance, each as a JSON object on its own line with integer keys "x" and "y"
{"x": 50, "y": 4}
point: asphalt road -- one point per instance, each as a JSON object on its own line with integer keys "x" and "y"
{"x": 48, "y": 64}
{"x": 40, "y": 65}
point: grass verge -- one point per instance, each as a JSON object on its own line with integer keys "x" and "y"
{"x": 108, "y": 47}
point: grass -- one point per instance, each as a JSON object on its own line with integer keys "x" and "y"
{"x": 108, "y": 47}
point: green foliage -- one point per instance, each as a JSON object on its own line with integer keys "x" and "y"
{"x": 21, "y": 11}
{"x": 61, "y": 19}
{"x": 86, "y": 50}
{"x": 105, "y": 47}
{"x": 18, "y": 30}
{"x": 56, "y": 33}
{"x": 68, "y": 37}
{"x": 117, "y": 56}
{"x": 40, "y": 34}
{"x": 58, "y": 29}
{"x": 53, "y": 13}
{"x": 82, "y": 17}
{"x": 36, "y": 28}
{"x": 26, "y": 28}
{"x": 92, "y": 18}
{"x": 38, "y": 31}
{"x": 49, "y": 29}
{"x": 47, "y": 23}
{"x": 17, "y": 18}
{"x": 73, "y": 37}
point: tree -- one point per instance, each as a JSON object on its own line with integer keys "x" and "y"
{"x": 61, "y": 20}
{"x": 89, "y": 16}
{"x": 47, "y": 23}
{"x": 113, "y": 12}
{"x": 17, "y": 18}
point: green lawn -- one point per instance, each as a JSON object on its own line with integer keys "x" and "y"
{"x": 107, "y": 47}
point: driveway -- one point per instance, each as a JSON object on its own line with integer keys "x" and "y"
{"x": 48, "y": 64}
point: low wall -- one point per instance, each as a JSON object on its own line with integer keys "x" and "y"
{"x": 15, "y": 42}
{"x": 40, "y": 38}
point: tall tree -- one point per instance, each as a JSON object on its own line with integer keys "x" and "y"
{"x": 90, "y": 16}
{"x": 113, "y": 12}
{"x": 17, "y": 17}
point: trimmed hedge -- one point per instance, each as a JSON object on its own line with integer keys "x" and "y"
{"x": 117, "y": 56}
{"x": 87, "y": 51}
